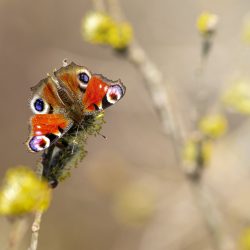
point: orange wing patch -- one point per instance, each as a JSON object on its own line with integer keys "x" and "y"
{"x": 46, "y": 129}
{"x": 49, "y": 124}
{"x": 94, "y": 94}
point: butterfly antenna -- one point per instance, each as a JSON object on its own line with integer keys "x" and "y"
{"x": 65, "y": 62}
{"x": 103, "y": 136}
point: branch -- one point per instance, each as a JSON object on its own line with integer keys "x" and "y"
{"x": 38, "y": 217}
{"x": 171, "y": 120}
{"x": 35, "y": 231}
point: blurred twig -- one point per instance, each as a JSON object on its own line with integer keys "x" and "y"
{"x": 213, "y": 218}
{"x": 153, "y": 82}
{"x": 172, "y": 124}
{"x": 35, "y": 231}
{"x": 38, "y": 217}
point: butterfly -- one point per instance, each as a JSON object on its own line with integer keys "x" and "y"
{"x": 63, "y": 100}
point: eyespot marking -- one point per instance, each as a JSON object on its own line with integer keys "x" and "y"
{"x": 39, "y": 143}
{"x": 84, "y": 78}
{"x": 39, "y": 106}
{"x": 114, "y": 93}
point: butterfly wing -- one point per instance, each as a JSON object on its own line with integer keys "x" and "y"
{"x": 102, "y": 93}
{"x": 95, "y": 91}
{"x": 74, "y": 77}
{"x": 46, "y": 129}
{"x": 72, "y": 93}
{"x": 50, "y": 121}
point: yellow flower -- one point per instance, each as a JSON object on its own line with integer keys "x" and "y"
{"x": 120, "y": 35}
{"x": 196, "y": 150}
{"x": 23, "y": 192}
{"x": 100, "y": 28}
{"x": 238, "y": 96}
{"x": 96, "y": 26}
{"x": 245, "y": 239}
{"x": 213, "y": 125}
{"x": 207, "y": 23}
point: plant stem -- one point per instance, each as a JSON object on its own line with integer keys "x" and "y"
{"x": 172, "y": 123}
{"x": 35, "y": 231}
{"x": 38, "y": 217}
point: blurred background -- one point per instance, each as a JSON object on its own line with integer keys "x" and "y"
{"x": 130, "y": 191}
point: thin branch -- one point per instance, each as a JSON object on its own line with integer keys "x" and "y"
{"x": 172, "y": 124}
{"x": 213, "y": 219}
{"x": 38, "y": 217}
{"x": 158, "y": 92}
{"x": 153, "y": 82}
{"x": 35, "y": 231}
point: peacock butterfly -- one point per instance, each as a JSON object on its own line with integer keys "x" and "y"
{"x": 64, "y": 99}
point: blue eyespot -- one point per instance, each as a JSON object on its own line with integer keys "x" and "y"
{"x": 83, "y": 77}
{"x": 39, "y": 105}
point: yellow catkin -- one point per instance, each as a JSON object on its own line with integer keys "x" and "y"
{"x": 237, "y": 97}
{"x": 193, "y": 148}
{"x": 213, "y": 126}
{"x": 207, "y": 23}
{"x": 23, "y": 192}
{"x": 100, "y": 28}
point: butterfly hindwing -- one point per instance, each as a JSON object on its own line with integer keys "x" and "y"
{"x": 46, "y": 129}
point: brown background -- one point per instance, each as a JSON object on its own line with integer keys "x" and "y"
{"x": 35, "y": 36}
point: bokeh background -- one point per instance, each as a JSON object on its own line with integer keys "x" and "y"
{"x": 130, "y": 192}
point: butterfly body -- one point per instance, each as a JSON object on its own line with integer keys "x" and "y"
{"x": 62, "y": 101}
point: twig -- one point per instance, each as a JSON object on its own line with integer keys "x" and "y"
{"x": 158, "y": 92}
{"x": 38, "y": 217}
{"x": 212, "y": 217}
{"x": 153, "y": 81}
{"x": 172, "y": 124}
{"x": 35, "y": 231}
